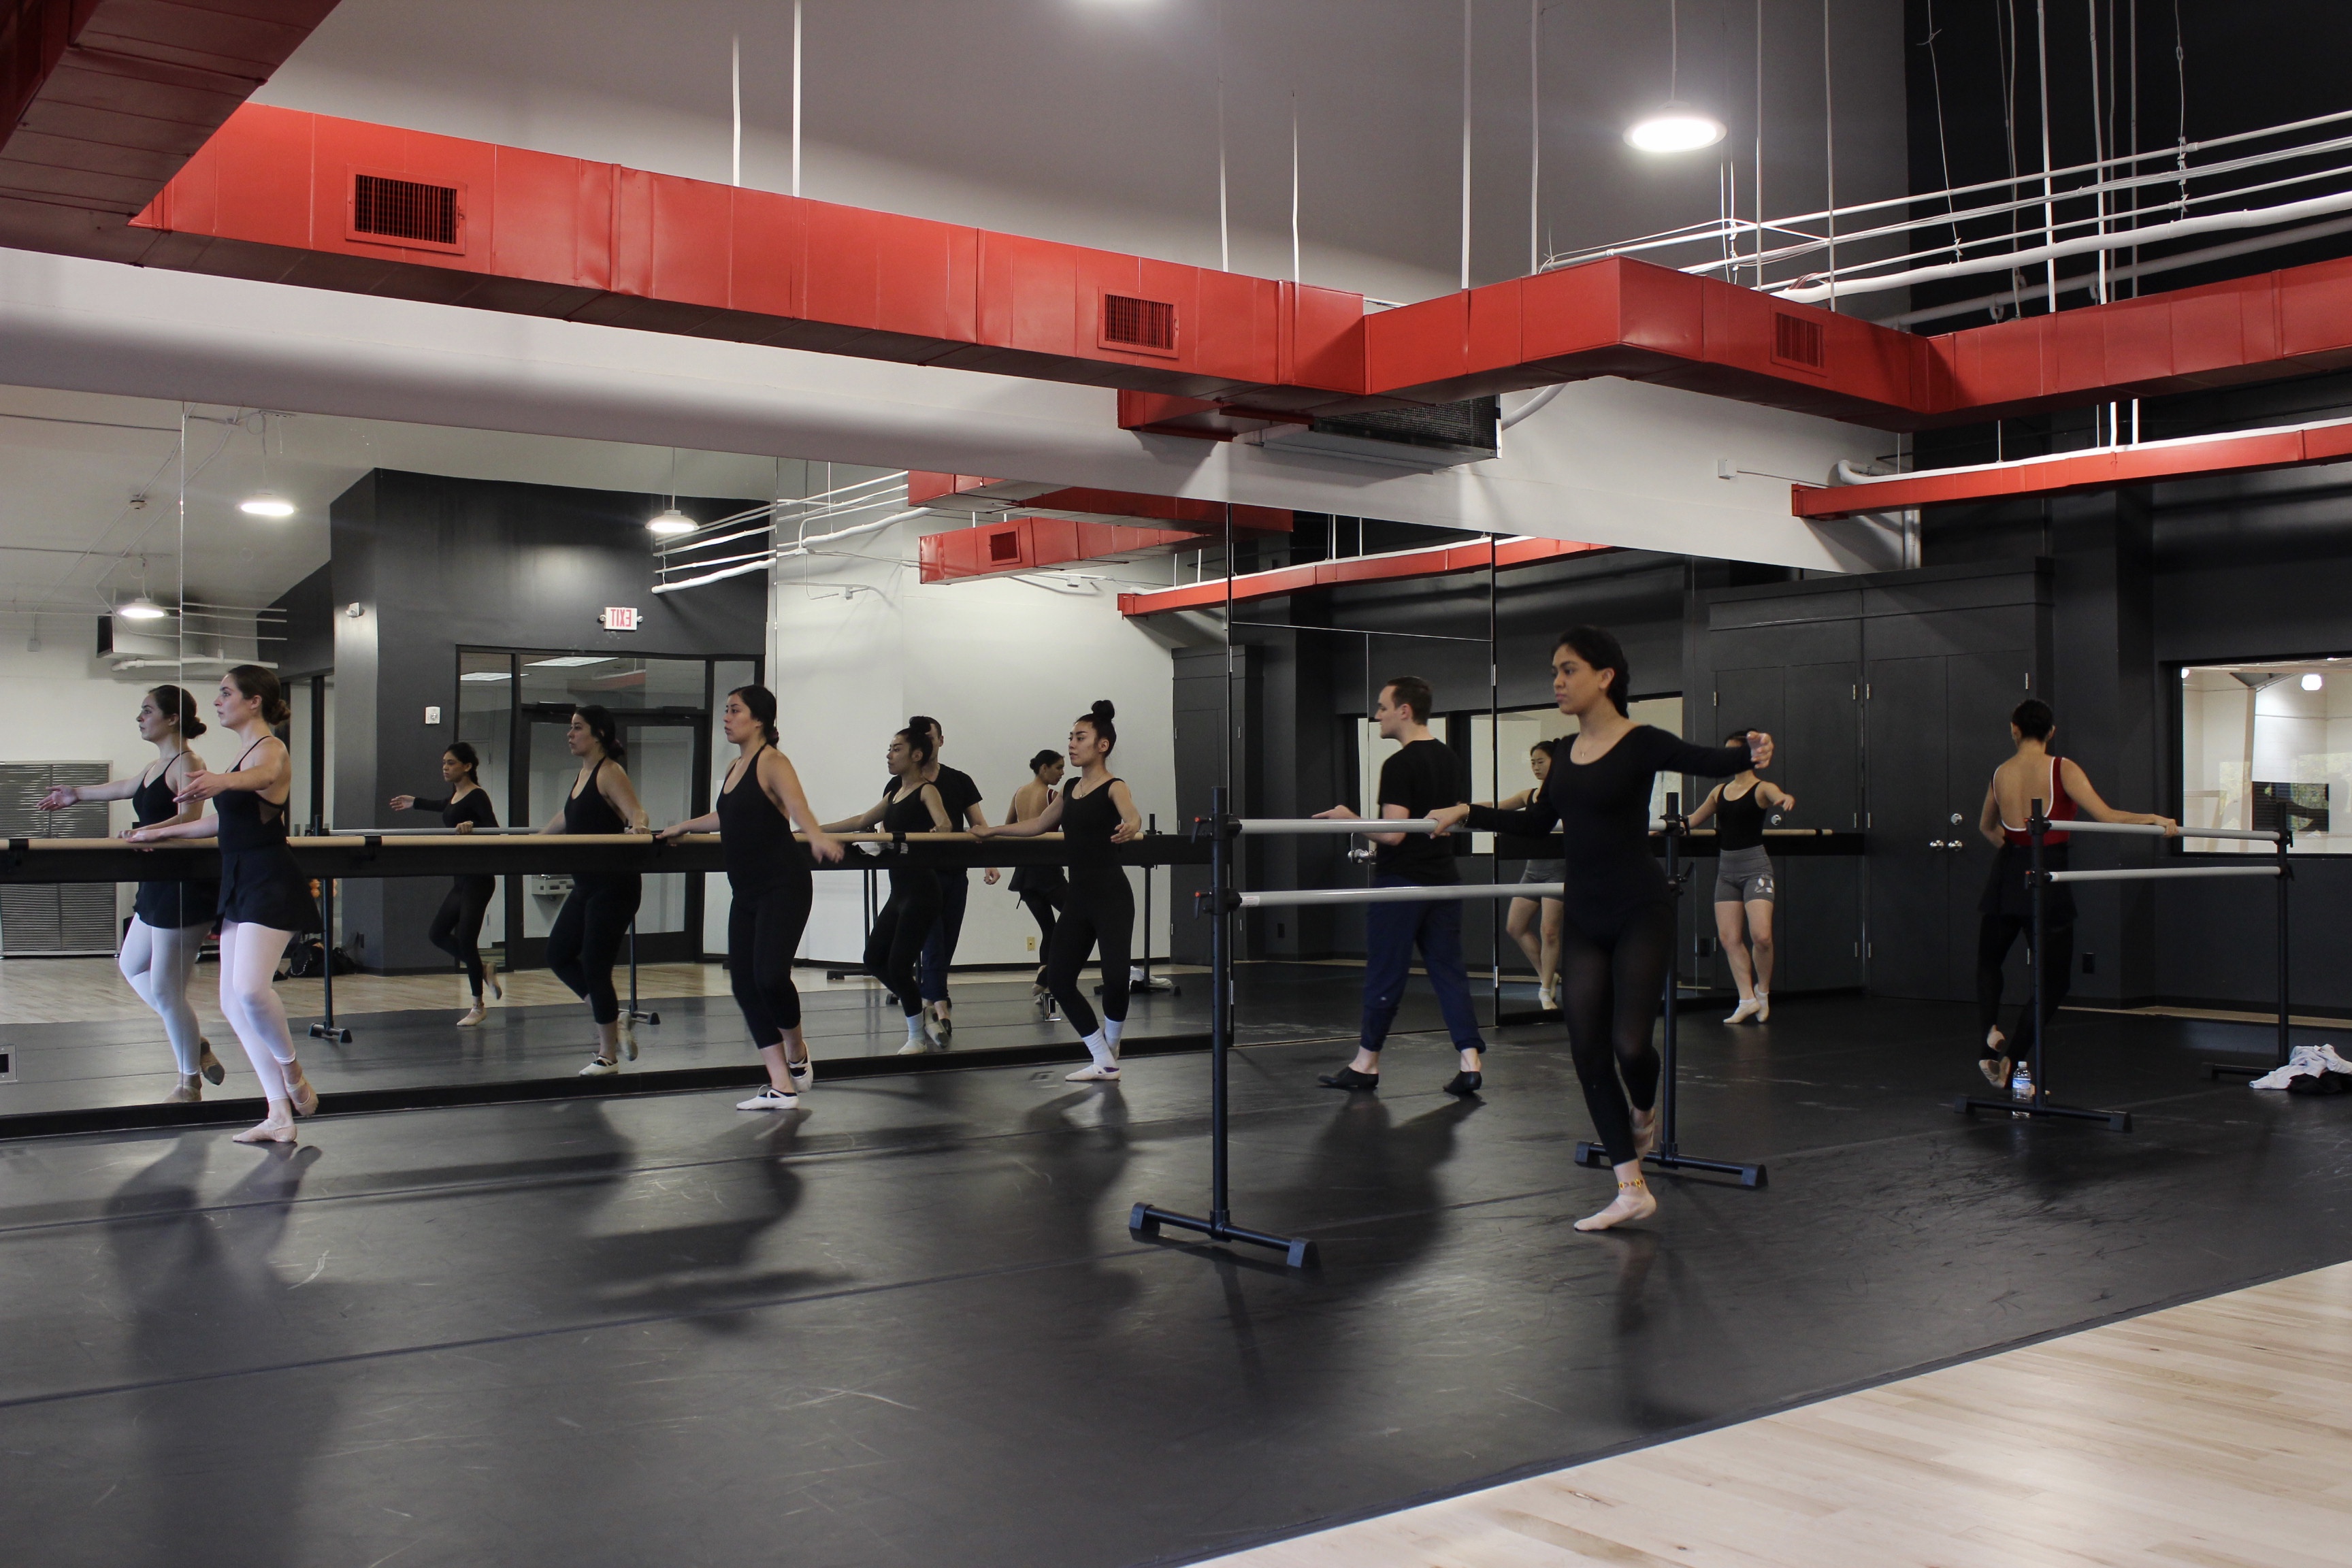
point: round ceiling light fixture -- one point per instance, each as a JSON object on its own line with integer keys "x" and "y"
{"x": 141, "y": 608}
{"x": 264, "y": 503}
{"x": 671, "y": 522}
{"x": 2313, "y": 682}
{"x": 1675, "y": 126}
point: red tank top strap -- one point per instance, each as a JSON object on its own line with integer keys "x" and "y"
{"x": 2056, "y": 805}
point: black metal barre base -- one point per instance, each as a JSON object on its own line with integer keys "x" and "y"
{"x": 2241, "y": 1069}
{"x": 334, "y": 1032}
{"x": 1595, "y": 1157}
{"x": 2116, "y": 1120}
{"x": 1144, "y": 1221}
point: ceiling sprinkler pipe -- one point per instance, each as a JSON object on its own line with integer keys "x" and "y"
{"x": 1530, "y": 406}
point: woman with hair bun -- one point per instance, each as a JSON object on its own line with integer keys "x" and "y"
{"x": 896, "y": 943}
{"x": 586, "y": 939}
{"x": 1041, "y": 889}
{"x": 1094, "y": 812}
{"x": 768, "y": 872}
{"x": 168, "y": 919}
{"x": 264, "y": 898}
{"x": 457, "y": 929}
{"x": 1617, "y": 927}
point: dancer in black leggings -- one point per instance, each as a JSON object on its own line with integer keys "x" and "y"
{"x": 586, "y": 937}
{"x": 457, "y": 929}
{"x": 1617, "y": 933}
{"x": 1094, "y": 812}
{"x": 1042, "y": 889}
{"x": 768, "y": 874}
{"x": 896, "y": 942}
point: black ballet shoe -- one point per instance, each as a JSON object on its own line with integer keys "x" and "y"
{"x": 1466, "y": 1083}
{"x": 1349, "y": 1078}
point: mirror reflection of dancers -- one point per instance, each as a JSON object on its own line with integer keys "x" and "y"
{"x": 457, "y": 929}
{"x": 767, "y": 875}
{"x": 264, "y": 898}
{"x": 1093, "y": 812}
{"x": 1745, "y": 888}
{"x": 910, "y": 806}
{"x": 1617, "y": 937}
{"x": 168, "y": 919}
{"x": 961, "y": 797}
{"x": 586, "y": 939}
{"x": 1042, "y": 889}
{"x": 2006, "y": 908}
{"x": 1534, "y": 924}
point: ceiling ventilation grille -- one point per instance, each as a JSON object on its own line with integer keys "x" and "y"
{"x": 1005, "y": 545}
{"x": 1146, "y": 324}
{"x": 407, "y": 210}
{"x": 1796, "y": 341}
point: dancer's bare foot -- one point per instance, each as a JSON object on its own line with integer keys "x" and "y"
{"x": 1633, "y": 1202}
{"x": 305, "y": 1097}
{"x": 277, "y": 1128}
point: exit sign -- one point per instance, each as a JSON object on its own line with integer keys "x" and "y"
{"x": 619, "y": 618}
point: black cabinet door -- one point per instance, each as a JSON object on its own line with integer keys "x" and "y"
{"x": 1907, "y": 760}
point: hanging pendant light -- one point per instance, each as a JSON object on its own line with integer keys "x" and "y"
{"x": 265, "y": 501}
{"x": 1675, "y": 126}
{"x": 141, "y": 608}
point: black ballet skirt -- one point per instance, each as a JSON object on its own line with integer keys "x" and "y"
{"x": 261, "y": 883}
{"x": 168, "y": 906}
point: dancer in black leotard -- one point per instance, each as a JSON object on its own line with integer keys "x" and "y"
{"x": 1745, "y": 888}
{"x": 895, "y": 942}
{"x": 1093, "y": 812}
{"x": 586, "y": 937}
{"x": 767, "y": 875}
{"x": 456, "y": 930}
{"x": 168, "y": 919}
{"x": 1617, "y": 932}
{"x": 1041, "y": 889}
{"x": 264, "y": 898}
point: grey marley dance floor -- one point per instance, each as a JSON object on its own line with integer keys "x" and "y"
{"x": 906, "y": 1326}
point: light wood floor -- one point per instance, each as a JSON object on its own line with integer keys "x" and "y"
{"x": 2217, "y": 1434}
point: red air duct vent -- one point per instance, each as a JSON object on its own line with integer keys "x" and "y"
{"x": 1145, "y": 326}
{"x": 392, "y": 211}
{"x": 1798, "y": 341}
{"x": 1004, "y": 545}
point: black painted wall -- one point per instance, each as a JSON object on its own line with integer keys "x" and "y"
{"x": 435, "y": 563}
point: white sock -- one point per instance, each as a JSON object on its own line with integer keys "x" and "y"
{"x": 1112, "y": 1029}
{"x": 1099, "y": 1049}
{"x": 915, "y": 1027}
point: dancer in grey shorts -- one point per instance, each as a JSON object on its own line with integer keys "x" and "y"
{"x": 1534, "y": 924}
{"x": 1744, "y": 891}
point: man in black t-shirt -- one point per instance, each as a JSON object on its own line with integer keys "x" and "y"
{"x": 961, "y": 797}
{"x": 1422, "y": 776}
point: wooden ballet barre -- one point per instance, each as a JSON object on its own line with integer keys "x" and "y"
{"x": 1258, "y": 827}
{"x": 2152, "y": 873}
{"x": 2156, "y": 830}
{"x": 1417, "y": 894}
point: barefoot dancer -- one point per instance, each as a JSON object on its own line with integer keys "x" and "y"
{"x": 457, "y": 929}
{"x": 265, "y": 897}
{"x": 1744, "y": 883}
{"x": 2007, "y": 907}
{"x": 168, "y": 919}
{"x": 1094, "y": 812}
{"x": 895, "y": 944}
{"x": 1617, "y": 938}
{"x": 768, "y": 872}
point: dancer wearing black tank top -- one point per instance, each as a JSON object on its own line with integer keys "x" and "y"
{"x": 896, "y": 942}
{"x": 1745, "y": 888}
{"x": 1093, "y": 812}
{"x": 768, "y": 877}
{"x": 168, "y": 919}
{"x": 264, "y": 898}
{"x": 457, "y": 928}
{"x": 585, "y": 939}
{"x": 1617, "y": 930}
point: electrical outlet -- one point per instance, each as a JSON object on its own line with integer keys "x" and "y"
{"x": 1033, "y": 944}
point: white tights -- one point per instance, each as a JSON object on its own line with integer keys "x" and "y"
{"x": 249, "y": 962}
{"x": 157, "y": 962}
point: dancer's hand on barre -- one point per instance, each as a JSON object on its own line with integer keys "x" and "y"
{"x": 1448, "y": 818}
{"x": 825, "y": 847}
{"x": 707, "y": 823}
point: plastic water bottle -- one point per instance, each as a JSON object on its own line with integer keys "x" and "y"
{"x": 2020, "y": 1082}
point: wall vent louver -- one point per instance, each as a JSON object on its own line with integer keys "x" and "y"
{"x": 411, "y": 211}
{"x": 1005, "y": 545}
{"x": 1798, "y": 341}
{"x": 1132, "y": 323}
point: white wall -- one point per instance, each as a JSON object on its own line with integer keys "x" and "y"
{"x": 1004, "y": 665}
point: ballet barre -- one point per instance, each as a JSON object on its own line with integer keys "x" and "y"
{"x": 2158, "y": 830}
{"x": 2156, "y": 873}
{"x": 1414, "y": 894}
{"x": 1259, "y": 826}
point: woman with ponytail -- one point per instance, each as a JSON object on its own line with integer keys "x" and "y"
{"x": 457, "y": 928}
{"x": 585, "y": 939}
{"x": 169, "y": 920}
{"x": 892, "y": 947}
{"x": 1617, "y": 929}
{"x": 768, "y": 873}
{"x": 264, "y": 898}
{"x": 1093, "y": 812}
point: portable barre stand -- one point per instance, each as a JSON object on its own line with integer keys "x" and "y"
{"x": 1145, "y": 1220}
{"x": 2038, "y": 877}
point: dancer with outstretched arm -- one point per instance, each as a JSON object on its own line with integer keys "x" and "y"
{"x": 585, "y": 939}
{"x": 457, "y": 928}
{"x": 894, "y": 946}
{"x": 1617, "y": 930}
